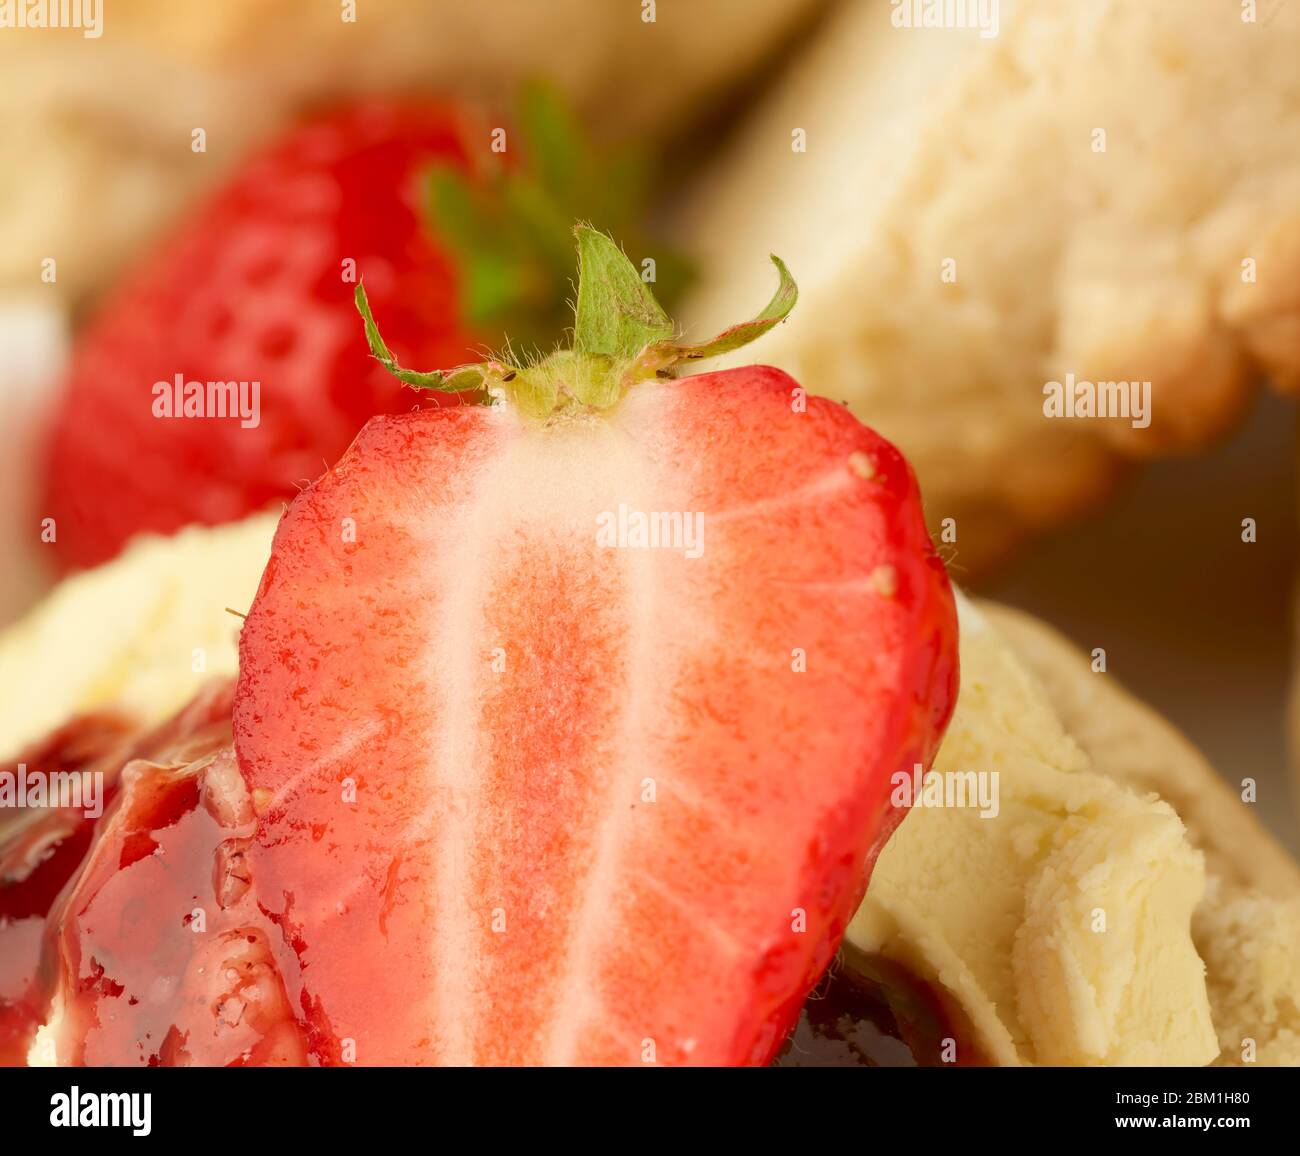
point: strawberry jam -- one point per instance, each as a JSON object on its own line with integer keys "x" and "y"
{"x": 158, "y": 951}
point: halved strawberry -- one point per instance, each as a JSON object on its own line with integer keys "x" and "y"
{"x": 531, "y": 790}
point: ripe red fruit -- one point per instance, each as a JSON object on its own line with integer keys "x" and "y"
{"x": 252, "y": 288}
{"x": 531, "y": 790}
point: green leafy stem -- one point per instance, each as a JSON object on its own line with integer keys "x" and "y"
{"x": 621, "y": 336}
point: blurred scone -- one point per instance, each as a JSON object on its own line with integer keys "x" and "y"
{"x": 1086, "y": 922}
{"x": 1247, "y": 928}
{"x": 140, "y": 635}
{"x": 95, "y": 133}
{"x": 1055, "y": 917}
{"x": 1107, "y": 190}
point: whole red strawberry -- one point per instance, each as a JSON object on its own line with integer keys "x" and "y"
{"x": 257, "y": 286}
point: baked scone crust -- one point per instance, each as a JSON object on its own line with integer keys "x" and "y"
{"x": 1247, "y": 926}
{"x": 1128, "y": 264}
{"x": 1054, "y": 920}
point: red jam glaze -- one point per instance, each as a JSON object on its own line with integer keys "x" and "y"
{"x": 133, "y": 988}
{"x": 159, "y": 953}
{"x": 20, "y": 1003}
{"x": 40, "y": 850}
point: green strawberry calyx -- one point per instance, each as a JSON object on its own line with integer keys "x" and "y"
{"x": 507, "y": 225}
{"x": 621, "y": 336}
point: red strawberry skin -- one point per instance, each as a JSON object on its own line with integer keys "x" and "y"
{"x": 251, "y": 288}
{"x": 527, "y": 799}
